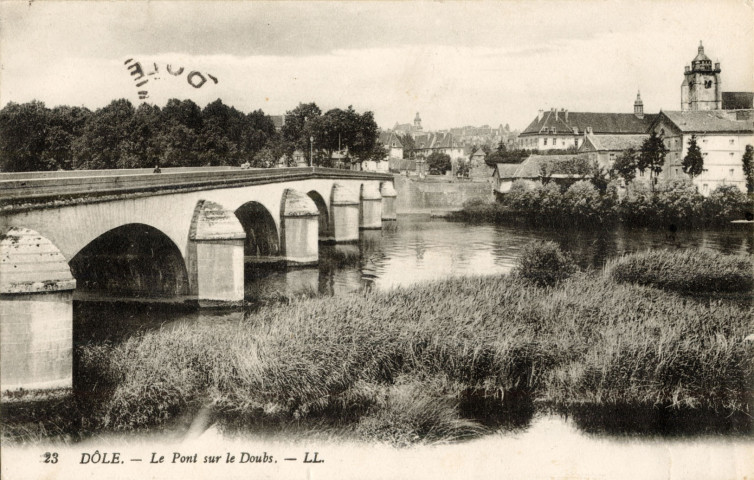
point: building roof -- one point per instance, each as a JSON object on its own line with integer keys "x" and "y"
{"x": 479, "y": 153}
{"x": 613, "y": 142}
{"x": 738, "y": 100}
{"x": 557, "y": 165}
{"x": 433, "y": 140}
{"x": 390, "y": 140}
{"x": 578, "y": 123}
{"x": 278, "y": 121}
{"x": 707, "y": 121}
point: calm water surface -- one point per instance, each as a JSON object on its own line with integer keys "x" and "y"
{"x": 419, "y": 248}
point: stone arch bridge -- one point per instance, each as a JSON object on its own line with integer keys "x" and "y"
{"x": 183, "y": 233}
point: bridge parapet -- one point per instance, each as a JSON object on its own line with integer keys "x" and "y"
{"x": 67, "y": 188}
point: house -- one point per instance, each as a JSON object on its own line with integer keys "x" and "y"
{"x": 563, "y": 129}
{"x": 604, "y": 149}
{"x": 392, "y": 142}
{"x": 478, "y": 167}
{"x": 722, "y": 136}
{"x": 562, "y": 169}
{"x": 428, "y": 143}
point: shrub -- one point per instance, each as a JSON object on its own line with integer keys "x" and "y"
{"x": 678, "y": 203}
{"x": 544, "y": 264}
{"x": 688, "y": 271}
{"x": 582, "y": 202}
{"x": 726, "y": 203}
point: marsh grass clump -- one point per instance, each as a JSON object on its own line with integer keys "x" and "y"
{"x": 414, "y": 411}
{"x": 692, "y": 271}
{"x": 544, "y": 264}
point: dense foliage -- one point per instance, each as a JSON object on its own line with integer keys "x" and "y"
{"x": 673, "y": 204}
{"x": 34, "y": 137}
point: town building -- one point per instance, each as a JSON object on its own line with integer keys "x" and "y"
{"x": 722, "y": 136}
{"x": 561, "y": 169}
{"x": 563, "y": 130}
{"x": 604, "y": 149}
{"x": 721, "y": 122}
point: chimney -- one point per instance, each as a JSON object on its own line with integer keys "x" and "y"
{"x": 565, "y": 115}
{"x": 540, "y": 114}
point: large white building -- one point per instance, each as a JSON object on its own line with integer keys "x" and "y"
{"x": 722, "y": 136}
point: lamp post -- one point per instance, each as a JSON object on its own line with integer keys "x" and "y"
{"x": 311, "y": 149}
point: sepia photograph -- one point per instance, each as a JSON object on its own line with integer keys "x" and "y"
{"x": 377, "y": 239}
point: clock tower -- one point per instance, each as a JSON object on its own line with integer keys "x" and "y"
{"x": 701, "y": 88}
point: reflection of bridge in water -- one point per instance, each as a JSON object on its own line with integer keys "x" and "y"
{"x": 181, "y": 234}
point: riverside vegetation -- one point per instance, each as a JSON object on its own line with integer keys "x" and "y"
{"x": 435, "y": 361}
{"x": 676, "y": 203}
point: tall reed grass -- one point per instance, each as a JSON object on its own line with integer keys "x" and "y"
{"x": 399, "y": 365}
{"x": 587, "y": 341}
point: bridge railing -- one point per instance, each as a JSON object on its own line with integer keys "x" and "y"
{"x": 27, "y": 190}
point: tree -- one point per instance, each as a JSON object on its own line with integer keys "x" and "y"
{"x": 626, "y": 164}
{"x": 106, "y": 129}
{"x": 652, "y": 156}
{"x": 748, "y": 167}
{"x": 693, "y": 162}
{"x": 439, "y": 162}
{"x": 298, "y": 127}
{"x": 598, "y": 176}
{"x": 23, "y": 129}
{"x": 409, "y": 145}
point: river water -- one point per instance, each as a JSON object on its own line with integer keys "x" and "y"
{"x": 419, "y": 248}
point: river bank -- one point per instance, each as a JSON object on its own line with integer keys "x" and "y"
{"x": 436, "y": 361}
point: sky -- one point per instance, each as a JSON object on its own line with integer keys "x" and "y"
{"x": 470, "y": 63}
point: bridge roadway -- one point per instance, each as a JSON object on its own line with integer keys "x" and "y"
{"x": 183, "y": 233}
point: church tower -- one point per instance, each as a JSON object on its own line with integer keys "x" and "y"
{"x": 417, "y": 122}
{"x": 701, "y": 88}
{"x": 638, "y": 106}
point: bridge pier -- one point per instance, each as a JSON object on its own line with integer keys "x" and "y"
{"x": 387, "y": 190}
{"x": 36, "y": 313}
{"x": 344, "y": 205}
{"x": 371, "y": 207}
{"x": 216, "y": 256}
{"x": 300, "y": 231}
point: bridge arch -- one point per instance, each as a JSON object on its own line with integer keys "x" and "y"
{"x": 262, "y": 238}
{"x": 133, "y": 260}
{"x": 325, "y": 229}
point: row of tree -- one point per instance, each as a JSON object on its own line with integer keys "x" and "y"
{"x": 119, "y": 135}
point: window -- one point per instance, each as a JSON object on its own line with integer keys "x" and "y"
{"x": 704, "y": 140}
{"x": 641, "y": 173}
{"x": 705, "y": 188}
{"x": 676, "y": 171}
{"x": 554, "y": 142}
{"x": 577, "y": 143}
{"x": 545, "y": 141}
{"x": 732, "y": 171}
{"x": 732, "y": 141}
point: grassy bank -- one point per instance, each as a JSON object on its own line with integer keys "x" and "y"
{"x": 409, "y": 364}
